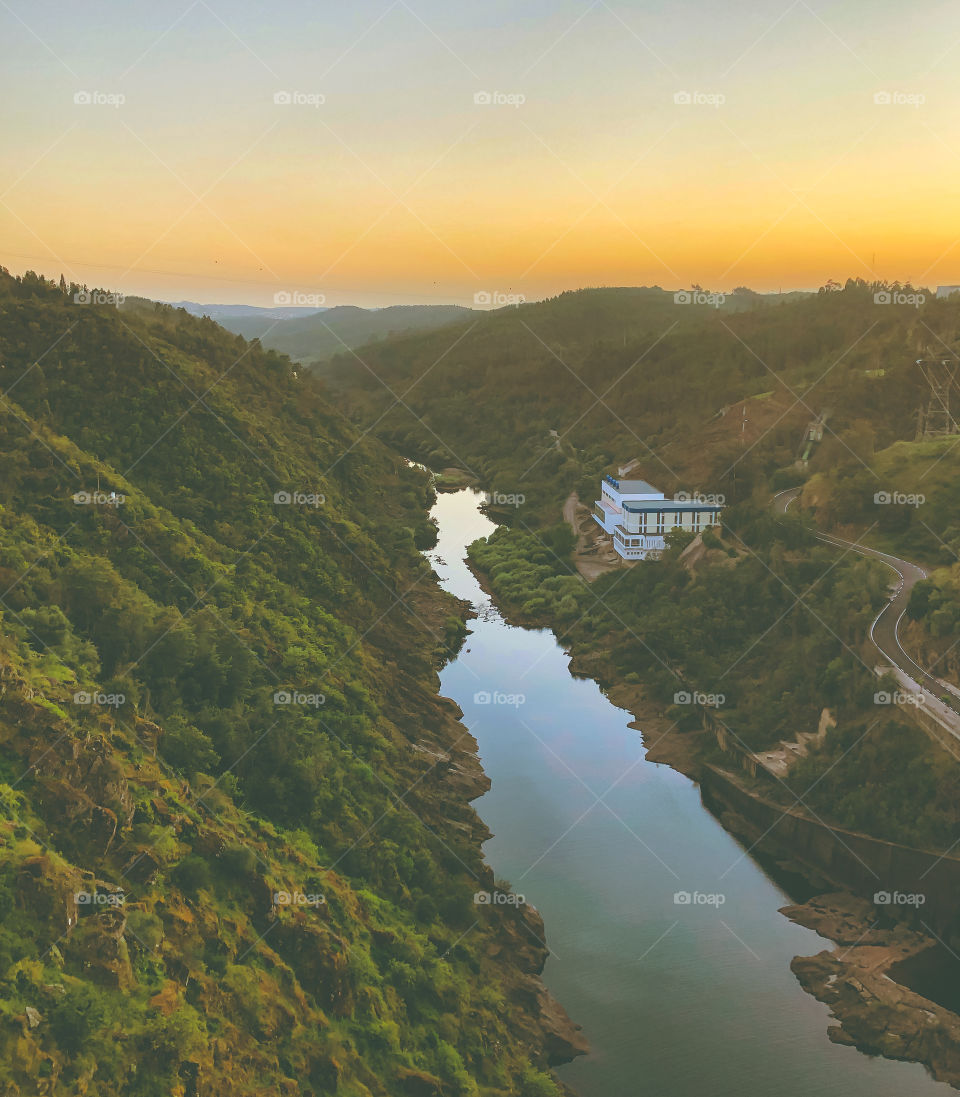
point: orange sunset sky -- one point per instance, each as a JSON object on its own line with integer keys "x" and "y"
{"x": 384, "y": 153}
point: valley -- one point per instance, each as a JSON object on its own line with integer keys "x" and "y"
{"x": 243, "y": 575}
{"x": 479, "y": 550}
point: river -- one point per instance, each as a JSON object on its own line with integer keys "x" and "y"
{"x": 677, "y": 999}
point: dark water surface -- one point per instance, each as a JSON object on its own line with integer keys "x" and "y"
{"x": 933, "y": 973}
{"x": 677, "y": 999}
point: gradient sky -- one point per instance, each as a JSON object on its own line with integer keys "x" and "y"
{"x": 399, "y": 187}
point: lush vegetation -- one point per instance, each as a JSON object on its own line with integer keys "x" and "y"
{"x": 734, "y": 630}
{"x": 702, "y": 397}
{"x": 236, "y": 850}
{"x": 220, "y": 640}
{"x": 543, "y": 399}
{"x": 763, "y": 662}
{"x": 883, "y": 778}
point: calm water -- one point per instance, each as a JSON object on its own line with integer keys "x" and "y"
{"x": 677, "y": 1000}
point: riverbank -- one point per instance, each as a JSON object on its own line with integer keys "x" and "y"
{"x": 599, "y": 836}
{"x": 521, "y": 935}
{"x": 877, "y": 1014}
{"x": 925, "y": 1032}
{"x": 876, "y": 1010}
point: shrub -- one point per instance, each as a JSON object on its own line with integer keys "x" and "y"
{"x": 192, "y": 875}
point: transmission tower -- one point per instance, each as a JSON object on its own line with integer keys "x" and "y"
{"x": 936, "y": 419}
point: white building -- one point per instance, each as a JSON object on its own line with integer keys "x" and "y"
{"x": 638, "y": 517}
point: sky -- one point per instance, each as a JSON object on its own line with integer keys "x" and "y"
{"x": 394, "y": 152}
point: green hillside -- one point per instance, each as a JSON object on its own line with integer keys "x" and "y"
{"x": 624, "y": 374}
{"x": 236, "y": 849}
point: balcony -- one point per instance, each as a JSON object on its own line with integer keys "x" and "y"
{"x": 637, "y": 546}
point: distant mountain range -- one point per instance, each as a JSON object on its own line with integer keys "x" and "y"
{"x": 310, "y": 335}
{"x": 249, "y": 312}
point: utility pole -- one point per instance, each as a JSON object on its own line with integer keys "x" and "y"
{"x": 936, "y": 419}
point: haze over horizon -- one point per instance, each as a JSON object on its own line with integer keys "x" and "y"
{"x": 400, "y": 152}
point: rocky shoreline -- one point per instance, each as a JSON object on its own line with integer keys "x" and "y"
{"x": 521, "y": 932}
{"x": 874, "y": 1012}
{"x": 522, "y": 935}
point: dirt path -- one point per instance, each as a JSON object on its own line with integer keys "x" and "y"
{"x": 592, "y": 554}
{"x": 570, "y": 511}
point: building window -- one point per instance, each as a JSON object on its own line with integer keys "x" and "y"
{"x": 659, "y": 521}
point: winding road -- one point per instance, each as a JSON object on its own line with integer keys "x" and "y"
{"x": 885, "y": 629}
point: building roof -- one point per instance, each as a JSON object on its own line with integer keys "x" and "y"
{"x": 633, "y": 487}
{"x": 668, "y": 505}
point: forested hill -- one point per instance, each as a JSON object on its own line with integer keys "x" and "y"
{"x": 542, "y": 399}
{"x": 715, "y": 398}
{"x": 317, "y": 336}
{"x": 236, "y": 850}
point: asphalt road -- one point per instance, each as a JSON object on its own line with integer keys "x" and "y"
{"x": 885, "y": 630}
